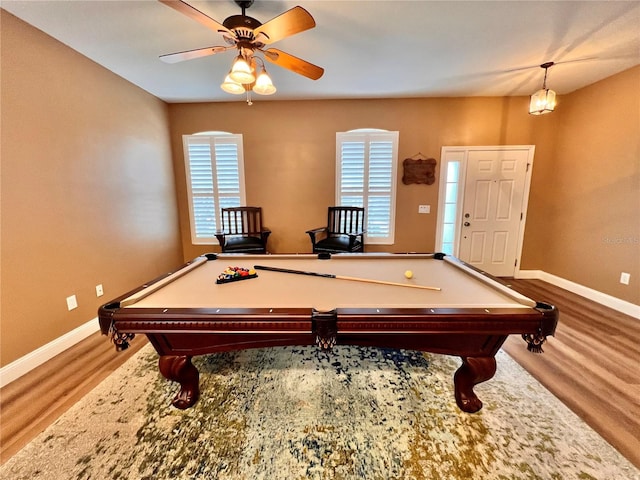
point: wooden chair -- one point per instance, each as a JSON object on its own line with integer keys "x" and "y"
{"x": 344, "y": 231}
{"x": 242, "y": 230}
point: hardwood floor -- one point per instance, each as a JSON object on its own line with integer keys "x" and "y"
{"x": 591, "y": 365}
{"x": 31, "y": 403}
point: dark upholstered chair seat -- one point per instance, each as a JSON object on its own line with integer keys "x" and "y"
{"x": 338, "y": 243}
{"x": 243, "y": 243}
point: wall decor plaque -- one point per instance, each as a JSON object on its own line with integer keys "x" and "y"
{"x": 419, "y": 170}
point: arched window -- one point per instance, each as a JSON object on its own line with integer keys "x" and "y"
{"x": 366, "y": 174}
{"x": 214, "y": 168}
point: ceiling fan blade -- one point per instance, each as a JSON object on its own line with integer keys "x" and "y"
{"x": 197, "y": 15}
{"x": 294, "y": 64}
{"x": 292, "y": 21}
{"x": 191, "y": 54}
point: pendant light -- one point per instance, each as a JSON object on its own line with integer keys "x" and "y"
{"x": 544, "y": 100}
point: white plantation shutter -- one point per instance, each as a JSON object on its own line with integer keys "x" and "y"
{"x": 215, "y": 179}
{"x": 366, "y": 177}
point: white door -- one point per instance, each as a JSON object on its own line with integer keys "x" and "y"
{"x": 492, "y": 213}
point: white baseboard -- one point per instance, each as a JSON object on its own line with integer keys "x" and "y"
{"x": 623, "y": 306}
{"x": 529, "y": 274}
{"x": 25, "y": 364}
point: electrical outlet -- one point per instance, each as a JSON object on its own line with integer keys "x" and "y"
{"x": 99, "y": 290}
{"x": 424, "y": 208}
{"x": 624, "y": 278}
{"x": 72, "y": 302}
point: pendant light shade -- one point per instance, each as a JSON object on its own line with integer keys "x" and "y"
{"x": 544, "y": 100}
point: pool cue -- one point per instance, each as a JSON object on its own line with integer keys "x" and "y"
{"x": 340, "y": 277}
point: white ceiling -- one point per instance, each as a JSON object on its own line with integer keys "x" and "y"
{"x": 369, "y": 49}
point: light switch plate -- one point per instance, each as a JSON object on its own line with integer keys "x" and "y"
{"x": 72, "y": 302}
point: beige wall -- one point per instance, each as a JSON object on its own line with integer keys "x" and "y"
{"x": 584, "y": 203}
{"x": 87, "y": 188}
{"x": 587, "y": 199}
{"x": 289, "y": 151}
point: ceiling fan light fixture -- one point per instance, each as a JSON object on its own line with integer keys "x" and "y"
{"x": 230, "y": 86}
{"x": 264, "y": 85}
{"x": 241, "y": 71}
{"x": 544, "y": 100}
{"x": 249, "y": 36}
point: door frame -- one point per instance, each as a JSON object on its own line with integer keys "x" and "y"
{"x": 460, "y": 154}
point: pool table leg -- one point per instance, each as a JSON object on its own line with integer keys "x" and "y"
{"x": 181, "y": 370}
{"x": 473, "y": 370}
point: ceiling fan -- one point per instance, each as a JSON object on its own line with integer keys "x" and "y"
{"x": 249, "y": 36}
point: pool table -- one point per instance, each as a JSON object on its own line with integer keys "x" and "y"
{"x": 446, "y": 307}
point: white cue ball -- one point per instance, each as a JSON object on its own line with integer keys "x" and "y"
{"x": 408, "y": 274}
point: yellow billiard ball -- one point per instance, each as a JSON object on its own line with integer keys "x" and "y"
{"x": 408, "y": 274}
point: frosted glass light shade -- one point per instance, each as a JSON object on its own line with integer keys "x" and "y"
{"x": 230, "y": 86}
{"x": 543, "y": 101}
{"x": 264, "y": 85}
{"x": 241, "y": 71}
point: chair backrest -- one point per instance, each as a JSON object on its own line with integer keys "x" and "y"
{"x": 242, "y": 220}
{"x": 345, "y": 220}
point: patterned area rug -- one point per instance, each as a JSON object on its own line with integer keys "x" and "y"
{"x": 298, "y": 413}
